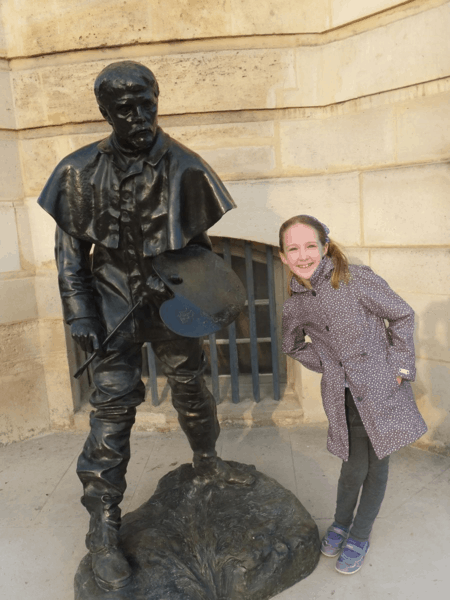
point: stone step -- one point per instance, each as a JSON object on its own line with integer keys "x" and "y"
{"x": 286, "y": 412}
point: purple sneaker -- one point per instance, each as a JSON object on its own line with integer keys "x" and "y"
{"x": 352, "y": 556}
{"x": 333, "y": 541}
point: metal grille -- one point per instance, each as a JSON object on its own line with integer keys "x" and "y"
{"x": 242, "y": 348}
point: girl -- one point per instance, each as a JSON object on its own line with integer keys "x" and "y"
{"x": 366, "y": 371}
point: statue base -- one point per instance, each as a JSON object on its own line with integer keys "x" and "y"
{"x": 202, "y": 540}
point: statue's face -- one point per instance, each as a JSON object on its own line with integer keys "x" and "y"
{"x": 133, "y": 116}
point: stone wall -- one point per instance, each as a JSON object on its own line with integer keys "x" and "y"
{"x": 337, "y": 108}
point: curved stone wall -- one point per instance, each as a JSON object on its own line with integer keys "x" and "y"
{"x": 337, "y": 108}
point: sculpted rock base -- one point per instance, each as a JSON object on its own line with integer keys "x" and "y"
{"x": 202, "y": 540}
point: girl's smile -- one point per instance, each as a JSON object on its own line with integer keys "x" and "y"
{"x": 302, "y": 250}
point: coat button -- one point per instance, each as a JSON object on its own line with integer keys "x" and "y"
{"x": 126, "y": 195}
{"x": 363, "y": 353}
{"x": 327, "y": 328}
{"x": 359, "y": 398}
{"x": 340, "y": 364}
{"x": 314, "y": 293}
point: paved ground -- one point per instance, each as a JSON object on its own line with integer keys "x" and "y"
{"x": 42, "y": 523}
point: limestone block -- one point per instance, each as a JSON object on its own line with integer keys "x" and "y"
{"x": 263, "y": 205}
{"x": 23, "y": 403}
{"x": 23, "y": 406}
{"x": 346, "y": 11}
{"x": 47, "y": 294}
{"x": 60, "y": 25}
{"x": 42, "y": 228}
{"x": 220, "y": 135}
{"x": 241, "y": 162}
{"x": 357, "y": 256}
{"x": 57, "y": 375}
{"x": 10, "y": 171}
{"x": 190, "y": 19}
{"x": 432, "y": 325}
{"x": 422, "y": 129}
{"x": 41, "y": 155}
{"x": 339, "y": 142}
{"x": 3, "y": 45}
{"x": 20, "y": 345}
{"x": 431, "y": 394}
{"x": 9, "y": 245}
{"x": 400, "y": 54}
{"x": 192, "y": 82}
{"x": 419, "y": 270}
{"x": 26, "y": 251}
{"x": 406, "y": 206}
{"x": 17, "y": 300}
{"x": 7, "y": 119}
{"x": 310, "y": 72}
{"x": 255, "y": 17}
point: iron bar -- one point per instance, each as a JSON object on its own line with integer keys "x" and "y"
{"x": 214, "y": 367}
{"x": 252, "y": 319}
{"x": 240, "y": 341}
{"x": 273, "y": 323}
{"x": 234, "y": 364}
{"x": 152, "y": 378}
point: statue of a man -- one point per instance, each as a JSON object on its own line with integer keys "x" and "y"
{"x": 131, "y": 196}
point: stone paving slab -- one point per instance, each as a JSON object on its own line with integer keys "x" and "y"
{"x": 43, "y": 524}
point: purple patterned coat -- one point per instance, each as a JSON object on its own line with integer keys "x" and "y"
{"x": 349, "y": 341}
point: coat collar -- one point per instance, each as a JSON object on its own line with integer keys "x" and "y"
{"x": 152, "y": 156}
{"x": 323, "y": 271}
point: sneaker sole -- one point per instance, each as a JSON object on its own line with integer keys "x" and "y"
{"x": 353, "y": 572}
{"x": 331, "y": 555}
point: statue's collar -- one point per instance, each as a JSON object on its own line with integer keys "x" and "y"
{"x": 151, "y": 156}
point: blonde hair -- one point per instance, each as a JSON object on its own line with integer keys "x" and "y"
{"x": 340, "y": 272}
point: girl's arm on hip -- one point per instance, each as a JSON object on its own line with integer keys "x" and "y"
{"x": 295, "y": 346}
{"x": 378, "y": 298}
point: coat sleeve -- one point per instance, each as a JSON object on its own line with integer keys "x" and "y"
{"x": 74, "y": 277}
{"x": 377, "y": 297}
{"x": 295, "y": 346}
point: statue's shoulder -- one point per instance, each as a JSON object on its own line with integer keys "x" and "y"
{"x": 67, "y": 176}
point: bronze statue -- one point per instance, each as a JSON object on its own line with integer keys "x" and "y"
{"x": 132, "y": 196}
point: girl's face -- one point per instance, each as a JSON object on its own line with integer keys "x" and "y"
{"x": 302, "y": 250}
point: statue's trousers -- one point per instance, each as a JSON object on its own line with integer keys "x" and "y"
{"x": 119, "y": 390}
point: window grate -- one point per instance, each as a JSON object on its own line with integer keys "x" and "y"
{"x": 245, "y": 333}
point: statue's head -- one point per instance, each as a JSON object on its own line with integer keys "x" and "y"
{"x": 127, "y": 95}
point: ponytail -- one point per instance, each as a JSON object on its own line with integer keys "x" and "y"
{"x": 340, "y": 261}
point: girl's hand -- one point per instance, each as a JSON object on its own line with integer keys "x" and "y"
{"x": 399, "y": 380}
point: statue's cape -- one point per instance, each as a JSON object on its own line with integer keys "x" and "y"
{"x": 82, "y": 195}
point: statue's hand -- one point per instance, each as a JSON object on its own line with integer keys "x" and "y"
{"x": 157, "y": 285}
{"x": 88, "y": 333}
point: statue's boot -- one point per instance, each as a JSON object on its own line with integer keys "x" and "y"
{"x": 109, "y": 564}
{"x": 209, "y": 466}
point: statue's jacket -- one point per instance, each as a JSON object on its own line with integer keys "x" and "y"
{"x": 351, "y": 344}
{"x": 129, "y": 210}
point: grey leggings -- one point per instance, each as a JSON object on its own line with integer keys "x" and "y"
{"x": 363, "y": 468}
